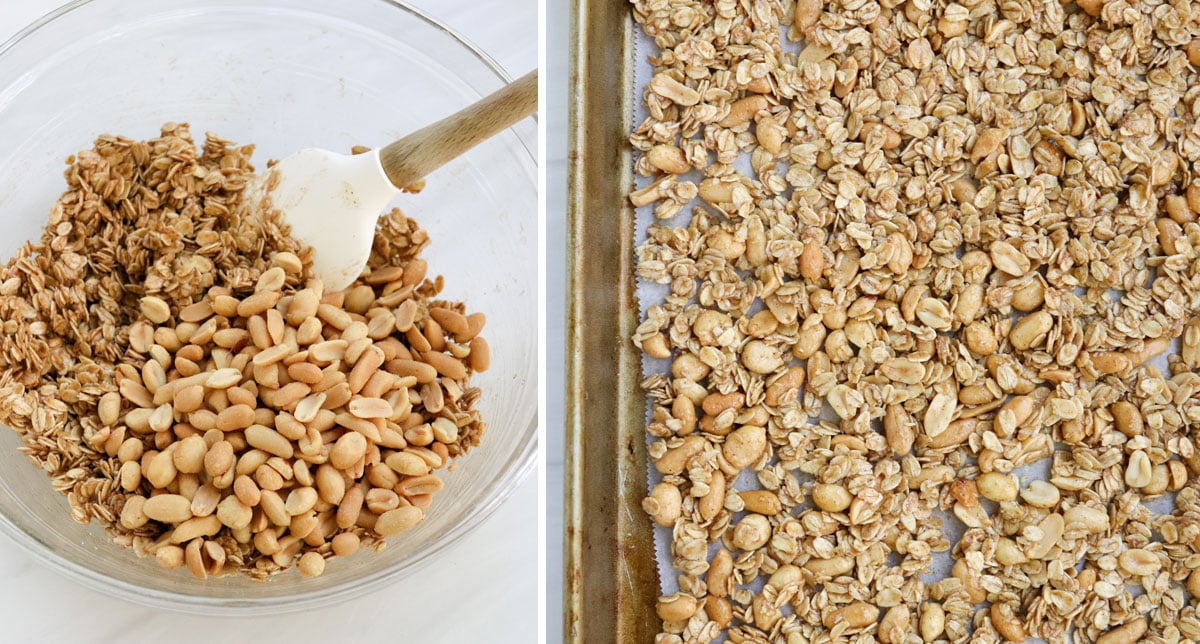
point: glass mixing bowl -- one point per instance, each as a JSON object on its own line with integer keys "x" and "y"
{"x": 285, "y": 75}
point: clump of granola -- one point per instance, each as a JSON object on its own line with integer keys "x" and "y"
{"x": 913, "y": 248}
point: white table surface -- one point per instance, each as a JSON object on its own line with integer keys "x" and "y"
{"x": 557, "y": 62}
{"x": 484, "y": 590}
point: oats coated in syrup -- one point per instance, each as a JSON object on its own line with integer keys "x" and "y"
{"x": 171, "y": 365}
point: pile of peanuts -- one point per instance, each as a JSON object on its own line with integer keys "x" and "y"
{"x": 291, "y": 424}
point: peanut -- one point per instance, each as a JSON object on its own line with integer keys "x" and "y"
{"x": 807, "y": 13}
{"x": 677, "y": 607}
{"x": 744, "y": 446}
{"x": 398, "y": 520}
{"x": 311, "y": 564}
{"x": 168, "y": 508}
{"x": 1126, "y": 633}
{"x": 664, "y": 504}
{"x": 1006, "y": 623}
{"x": 831, "y": 497}
{"x": 856, "y": 615}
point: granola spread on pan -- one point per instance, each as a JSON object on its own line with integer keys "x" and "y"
{"x": 922, "y": 259}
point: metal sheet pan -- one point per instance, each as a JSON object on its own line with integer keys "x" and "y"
{"x": 611, "y": 581}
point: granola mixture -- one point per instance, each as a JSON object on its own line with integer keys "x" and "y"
{"x": 170, "y": 364}
{"x": 911, "y": 247}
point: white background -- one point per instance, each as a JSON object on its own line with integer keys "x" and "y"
{"x": 557, "y": 63}
{"x": 483, "y": 590}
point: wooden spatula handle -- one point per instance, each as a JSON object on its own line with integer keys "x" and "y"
{"x": 420, "y": 153}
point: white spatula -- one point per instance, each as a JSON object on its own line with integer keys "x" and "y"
{"x": 332, "y": 201}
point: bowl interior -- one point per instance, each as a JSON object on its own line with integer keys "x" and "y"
{"x": 284, "y": 75}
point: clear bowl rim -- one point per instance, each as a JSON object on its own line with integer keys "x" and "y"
{"x": 522, "y": 466}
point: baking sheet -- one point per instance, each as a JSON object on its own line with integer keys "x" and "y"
{"x": 610, "y": 582}
{"x": 648, "y": 294}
